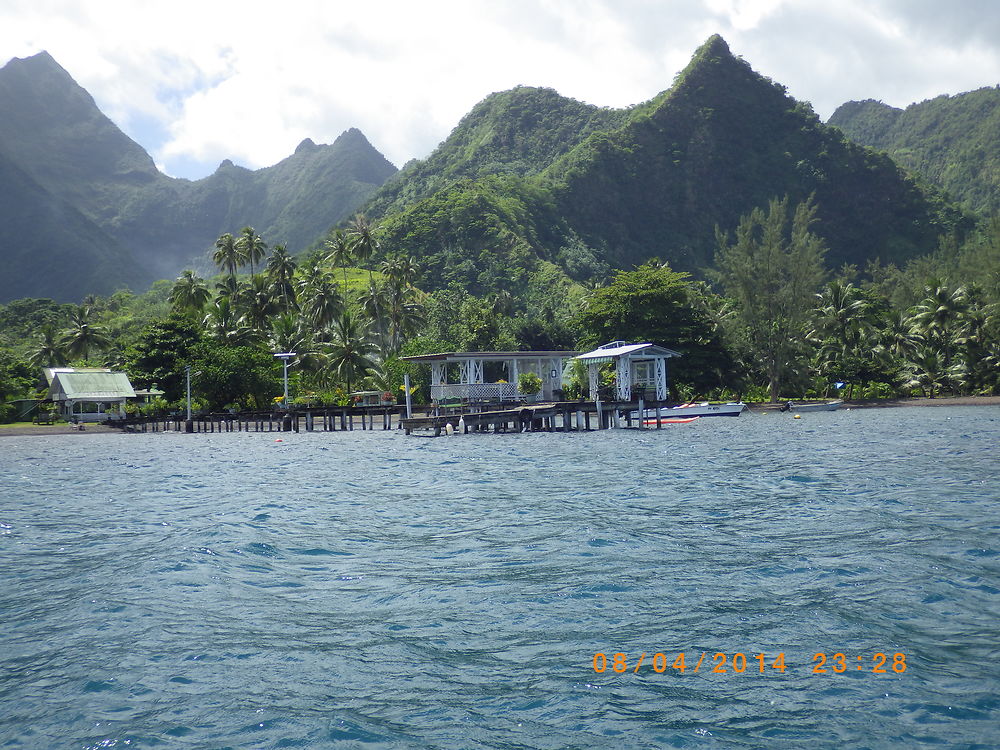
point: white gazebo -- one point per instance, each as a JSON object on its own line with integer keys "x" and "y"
{"x": 644, "y": 365}
{"x": 471, "y": 385}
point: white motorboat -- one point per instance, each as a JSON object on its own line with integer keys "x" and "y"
{"x": 703, "y": 409}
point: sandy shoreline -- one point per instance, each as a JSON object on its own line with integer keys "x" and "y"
{"x": 96, "y": 429}
{"x": 57, "y": 429}
{"x": 894, "y": 402}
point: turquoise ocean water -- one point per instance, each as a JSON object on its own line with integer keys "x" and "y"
{"x": 372, "y": 590}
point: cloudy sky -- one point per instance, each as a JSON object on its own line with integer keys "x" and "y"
{"x": 196, "y": 82}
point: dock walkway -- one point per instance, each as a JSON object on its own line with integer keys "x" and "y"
{"x": 320, "y": 419}
{"x": 560, "y": 416}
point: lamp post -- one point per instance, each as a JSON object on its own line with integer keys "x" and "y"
{"x": 189, "y": 424}
{"x": 284, "y": 357}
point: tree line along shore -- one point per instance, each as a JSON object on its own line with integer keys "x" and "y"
{"x": 767, "y": 321}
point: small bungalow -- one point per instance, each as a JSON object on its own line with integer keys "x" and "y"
{"x": 472, "y": 369}
{"x": 637, "y": 367}
{"x": 89, "y": 394}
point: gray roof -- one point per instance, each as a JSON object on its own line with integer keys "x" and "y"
{"x": 487, "y": 355}
{"x": 633, "y": 351}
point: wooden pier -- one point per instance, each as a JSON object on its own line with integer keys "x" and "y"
{"x": 560, "y": 416}
{"x": 332, "y": 419}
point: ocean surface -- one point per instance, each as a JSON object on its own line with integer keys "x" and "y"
{"x": 372, "y": 590}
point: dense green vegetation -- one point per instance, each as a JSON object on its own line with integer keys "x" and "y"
{"x": 517, "y": 132}
{"x": 528, "y": 178}
{"x": 771, "y": 272}
{"x": 951, "y": 141}
{"x": 778, "y": 324}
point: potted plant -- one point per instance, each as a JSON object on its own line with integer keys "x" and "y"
{"x": 529, "y": 384}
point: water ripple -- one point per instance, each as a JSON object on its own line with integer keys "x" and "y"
{"x": 366, "y": 589}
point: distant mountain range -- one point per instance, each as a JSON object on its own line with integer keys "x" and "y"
{"x": 83, "y": 209}
{"x": 528, "y": 187}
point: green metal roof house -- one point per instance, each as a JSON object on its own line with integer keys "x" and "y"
{"x": 89, "y": 395}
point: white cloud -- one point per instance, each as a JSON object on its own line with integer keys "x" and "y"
{"x": 198, "y": 82}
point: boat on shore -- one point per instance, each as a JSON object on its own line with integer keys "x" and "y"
{"x": 827, "y": 406}
{"x": 685, "y": 411}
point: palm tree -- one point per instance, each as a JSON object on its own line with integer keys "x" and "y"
{"x": 258, "y": 303}
{"x": 114, "y": 357}
{"x": 229, "y": 287}
{"x": 363, "y": 243}
{"x": 287, "y": 334}
{"x": 350, "y": 351}
{"x": 340, "y": 253}
{"x": 83, "y": 335}
{"x": 221, "y": 318}
{"x": 50, "y": 351}
{"x": 310, "y": 273}
{"x": 373, "y": 304}
{"x": 403, "y": 314}
{"x": 937, "y": 316}
{"x": 897, "y": 335}
{"x": 841, "y": 314}
{"x": 973, "y": 338}
{"x": 227, "y": 256}
{"x": 252, "y": 247}
{"x": 400, "y": 271}
{"x": 323, "y": 302}
{"x": 226, "y": 325}
{"x": 281, "y": 271}
{"x": 718, "y": 311}
{"x": 927, "y": 370}
{"x": 189, "y": 293}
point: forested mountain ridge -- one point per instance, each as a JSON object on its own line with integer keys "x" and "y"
{"x": 952, "y": 141}
{"x": 515, "y": 132}
{"x": 133, "y": 224}
{"x": 720, "y": 142}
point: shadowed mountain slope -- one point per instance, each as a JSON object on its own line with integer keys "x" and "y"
{"x": 56, "y": 137}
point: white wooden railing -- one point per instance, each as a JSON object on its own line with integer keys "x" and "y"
{"x": 475, "y": 391}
